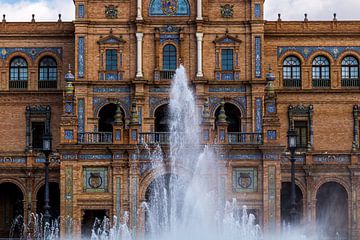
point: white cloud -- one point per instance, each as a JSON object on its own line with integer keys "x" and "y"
{"x": 44, "y": 10}
{"x": 316, "y": 9}
{"x": 48, "y": 10}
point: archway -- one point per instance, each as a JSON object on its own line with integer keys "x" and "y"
{"x": 162, "y": 118}
{"x": 286, "y": 203}
{"x": 233, "y": 117}
{"x": 164, "y": 197}
{"x": 332, "y": 211}
{"x": 54, "y": 197}
{"x": 107, "y": 117}
{"x": 11, "y": 206}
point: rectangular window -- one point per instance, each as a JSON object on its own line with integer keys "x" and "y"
{"x": 111, "y": 60}
{"x": 227, "y": 60}
{"x": 37, "y": 133}
{"x": 301, "y": 129}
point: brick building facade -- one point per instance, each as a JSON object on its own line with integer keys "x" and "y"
{"x": 124, "y": 54}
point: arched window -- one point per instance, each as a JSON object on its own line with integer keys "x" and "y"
{"x": 169, "y": 58}
{"x": 321, "y": 72}
{"x": 350, "y": 72}
{"x": 47, "y": 73}
{"x": 18, "y": 73}
{"x": 292, "y": 72}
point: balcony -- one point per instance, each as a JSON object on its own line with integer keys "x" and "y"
{"x": 321, "y": 83}
{"x": 155, "y": 138}
{"x": 164, "y": 75}
{"x": 17, "y": 84}
{"x": 48, "y": 84}
{"x": 237, "y": 138}
{"x": 95, "y": 138}
{"x": 350, "y": 82}
{"x": 292, "y": 83}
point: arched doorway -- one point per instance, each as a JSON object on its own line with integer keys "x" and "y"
{"x": 164, "y": 197}
{"x": 332, "y": 211}
{"x": 11, "y": 206}
{"x": 107, "y": 117}
{"x": 286, "y": 203}
{"x": 162, "y": 119}
{"x": 233, "y": 117}
{"x": 54, "y": 197}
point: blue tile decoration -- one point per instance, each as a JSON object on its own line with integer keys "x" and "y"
{"x": 68, "y": 199}
{"x": 271, "y": 156}
{"x": 218, "y": 76}
{"x": 206, "y": 135}
{"x": 33, "y": 53}
{"x": 239, "y": 101}
{"x": 271, "y": 134}
{"x": 298, "y": 159}
{"x": 228, "y": 89}
{"x": 95, "y": 156}
{"x": 159, "y": 89}
{"x": 258, "y": 64}
{"x": 99, "y": 102}
{"x": 81, "y": 57}
{"x": 81, "y": 11}
{"x": 255, "y": 156}
{"x": 68, "y": 134}
{"x": 222, "y": 135}
{"x": 134, "y": 135}
{"x": 271, "y": 107}
{"x": 68, "y": 107}
{"x": 111, "y": 76}
{"x": 16, "y": 160}
{"x": 140, "y": 115}
{"x": 111, "y": 89}
{"x": 169, "y": 37}
{"x": 134, "y": 204}
{"x": 169, "y": 8}
{"x": 245, "y": 180}
{"x": 342, "y": 159}
{"x": 272, "y": 196}
{"x": 258, "y": 115}
{"x": 155, "y": 102}
{"x": 118, "y": 199}
{"x": 117, "y": 135}
{"x": 69, "y": 156}
{"x": 81, "y": 115}
{"x": 257, "y": 10}
{"x": 227, "y": 76}
{"x": 95, "y": 179}
{"x": 307, "y": 51}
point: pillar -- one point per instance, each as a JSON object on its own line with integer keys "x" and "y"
{"x": 139, "y": 38}
{"x": 199, "y": 37}
{"x": 199, "y": 10}
{"x": 139, "y": 10}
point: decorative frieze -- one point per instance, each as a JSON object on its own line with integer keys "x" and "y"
{"x": 258, "y": 115}
{"x": 254, "y": 156}
{"x": 234, "y": 89}
{"x": 32, "y": 53}
{"x": 16, "y": 160}
{"x": 68, "y": 199}
{"x": 81, "y": 115}
{"x": 272, "y": 196}
{"x": 306, "y": 51}
{"x": 340, "y": 159}
{"x": 95, "y": 156}
{"x": 111, "y": 89}
{"x": 81, "y": 57}
{"x": 258, "y": 63}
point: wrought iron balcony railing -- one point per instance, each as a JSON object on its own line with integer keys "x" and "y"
{"x": 95, "y": 138}
{"x": 47, "y": 84}
{"x": 18, "y": 84}
{"x": 245, "y": 138}
{"x": 155, "y": 138}
{"x": 321, "y": 83}
{"x": 292, "y": 83}
{"x": 350, "y": 82}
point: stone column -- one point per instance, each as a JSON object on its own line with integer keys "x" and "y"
{"x": 139, "y": 38}
{"x": 199, "y": 37}
{"x": 199, "y": 10}
{"x": 139, "y": 10}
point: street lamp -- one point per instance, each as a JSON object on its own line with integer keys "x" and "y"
{"x": 46, "y": 150}
{"x": 292, "y": 148}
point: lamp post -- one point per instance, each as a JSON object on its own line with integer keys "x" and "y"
{"x": 47, "y": 151}
{"x": 292, "y": 148}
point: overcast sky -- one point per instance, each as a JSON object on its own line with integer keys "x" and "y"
{"x": 45, "y": 10}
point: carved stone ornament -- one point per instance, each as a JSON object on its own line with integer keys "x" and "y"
{"x": 227, "y": 11}
{"x": 111, "y": 11}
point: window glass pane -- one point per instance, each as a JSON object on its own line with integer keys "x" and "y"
{"x": 316, "y": 72}
{"x": 111, "y": 60}
{"x": 227, "y": 60}
{"x": 169, "y": 57}
{"x": 325, "y": 72}
{"x": 354, "y": 72}
{"x": 344, "y": 72}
